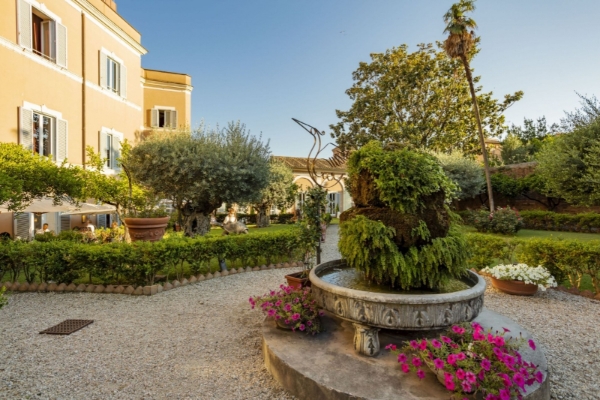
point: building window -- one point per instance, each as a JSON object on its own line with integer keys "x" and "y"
{"x": 110, "y": 148}
{"x": 43, "y": 131}
{"x": 42, "y": 134}
{"x": 42, "y": 34}
{"x": 113, "y": 73}
{"x": 163, "y": 118}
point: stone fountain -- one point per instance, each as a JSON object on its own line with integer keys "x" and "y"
{"x": 370, "y": 301}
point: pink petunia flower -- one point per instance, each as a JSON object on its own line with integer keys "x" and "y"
{"x": 506, "y": 379}
{"x": 531, "y": 344}
{"x": 519, "y": 380}
{"x": 460, "y": 374}
{"x": 436, "y": 343}
{"x": 448, "y": 377}
{"x": 539, "y": 377}
{"x": 405, "y": 368}
{"x": 423, "y": 344}
{"x": 504, "y": 394}
{"x": 471, "y": 378}
{"x": 499, "y": 341}
{"x": 466, "y": 386}
{"x": 446, "y": 339}
{"x": 402, "y": 358}
{"x": 421, "y": 374}
{"x": 486, "y": 364}
{"x": 414, "y": 344}
{"x": 287, "y": 307}
{"x": 295, "y": 316}
{"x": 416, "y": 361}
{"x": 451, "y": 359}
{"x": 302, "y": 327}
{"x": 438, "y": 363}
{"x": 458, "y": 330}
{"x": 461, "y": 356}
{"x": 450, "y": 385}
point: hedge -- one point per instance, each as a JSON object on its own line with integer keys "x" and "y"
{"x": 283, "y": 218}
{"x": 138, "y": 263}
{"x": 551, "y": 221}
{"x": 565, "y": 259}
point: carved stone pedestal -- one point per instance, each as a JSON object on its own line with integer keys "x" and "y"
{"x": 366, "y": 340}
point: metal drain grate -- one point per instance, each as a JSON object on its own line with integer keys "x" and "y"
{"x": 67, "y": 327}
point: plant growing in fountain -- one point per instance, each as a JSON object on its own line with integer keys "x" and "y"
{"x": 291, "y": 309}
{"x": 401, "y": 232}
{"x": 468, "y": 360}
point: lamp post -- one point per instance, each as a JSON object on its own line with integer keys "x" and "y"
{"x": 324, "y": 180}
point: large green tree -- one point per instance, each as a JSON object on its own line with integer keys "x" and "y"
{"x": 419, "y": 98}
{"x": 523, "y": 142}
{"x": 570, "y": 165}
{"x": 203, "y": 169}
{"x": 25, "y": 176}
{"x": 281, "y": 192}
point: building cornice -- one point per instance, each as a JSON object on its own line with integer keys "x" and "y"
{"x": 89, "y": 8}
{"x": 170, "y": 86}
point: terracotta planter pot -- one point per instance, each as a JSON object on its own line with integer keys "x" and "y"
{"x": 297, "y": 280}
{"x": 515, "y": 287}
{"x": 148, "y": 229}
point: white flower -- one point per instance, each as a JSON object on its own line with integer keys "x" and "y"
{"x": 524, "y": 273}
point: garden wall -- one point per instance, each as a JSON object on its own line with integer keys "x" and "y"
{"x": 535, "y": 202}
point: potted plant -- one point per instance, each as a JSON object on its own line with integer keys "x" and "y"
{"x": 520, "y": 279}
{"x": 291, "y": 309}
{"x": 149, "y": 224}
{"x": 467, "y": 361}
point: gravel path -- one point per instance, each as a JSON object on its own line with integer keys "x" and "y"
{"x": 203, "y": 342}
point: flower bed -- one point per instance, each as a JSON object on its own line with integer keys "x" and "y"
{"x": 524, "y": 273}
{"x": 468, "y": 360}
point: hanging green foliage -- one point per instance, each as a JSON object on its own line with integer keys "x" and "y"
{"x": 368, "y": 246}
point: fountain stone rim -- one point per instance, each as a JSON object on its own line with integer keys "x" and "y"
{"x": 477, "y": 290}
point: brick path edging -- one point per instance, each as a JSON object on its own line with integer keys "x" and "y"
{"x": 139, "y": 290}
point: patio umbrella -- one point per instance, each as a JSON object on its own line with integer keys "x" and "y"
{"x": 42, "y": 206}
{"x": 91, "y": 209}
{"x": 45, "y": 205}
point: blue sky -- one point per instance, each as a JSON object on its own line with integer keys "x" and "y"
{"x": 266, "y": 61}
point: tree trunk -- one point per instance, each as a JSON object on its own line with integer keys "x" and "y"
{"x": 262, "y": 218}
{"x": 486, "y": 164}
{"x": 197, "y": 224}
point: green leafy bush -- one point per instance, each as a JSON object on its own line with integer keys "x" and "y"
{"x": 466, "y": 173}
{"x": 3, "y": 299}
{"x": 139, "y": 262}
{"x": 551, "y": 221}
{"x": 564, "y": 259}
{"x": 368, "y": 246}
{"x": 506, "y": 221}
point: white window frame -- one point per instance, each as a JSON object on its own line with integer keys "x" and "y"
{"x": 106, "y": 75}
{"x": 57, "y": 53}
{"x": 172, "y": 117}
{"x": 58, "y": 155}
{"x": 111, "y": 135}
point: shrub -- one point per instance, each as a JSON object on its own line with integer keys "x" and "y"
{"x": 486, "y": 249}
{"x": 3, "y": 299}
{"x": 547, "y": 220}
{"x": 363, "y": 240}
{"x": 138, "y": 263}
{"x": 466, "y": 173}
{"x": 506, "y": 221}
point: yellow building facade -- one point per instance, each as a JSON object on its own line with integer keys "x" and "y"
{"x": 72, "y": 78}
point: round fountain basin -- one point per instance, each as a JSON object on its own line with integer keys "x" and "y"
{"x": 397, "y": 310}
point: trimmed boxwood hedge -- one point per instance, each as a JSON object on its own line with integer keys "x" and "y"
{"x": 565, "y": 259}
{"x": 283, "y": 218}
{"x": 138, "y": 263}
{"x": 551, "y": 221}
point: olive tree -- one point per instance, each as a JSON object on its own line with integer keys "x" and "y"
{"x": 570, "y": 165}
{"x": 280, "y": 191}
{"x": 465, "y": 172}
{"x": 202, "y": 169}
{"x": 25, "y": 177}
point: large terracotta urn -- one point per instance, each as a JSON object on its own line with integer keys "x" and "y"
{"x": 148, "y": 229}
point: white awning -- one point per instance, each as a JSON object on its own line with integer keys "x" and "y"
{"x": 45, "y": 205}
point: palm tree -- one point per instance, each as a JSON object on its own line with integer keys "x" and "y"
{"x": 459, "y": 43}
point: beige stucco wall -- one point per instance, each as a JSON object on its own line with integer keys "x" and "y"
{"x": 169, "y": 89}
